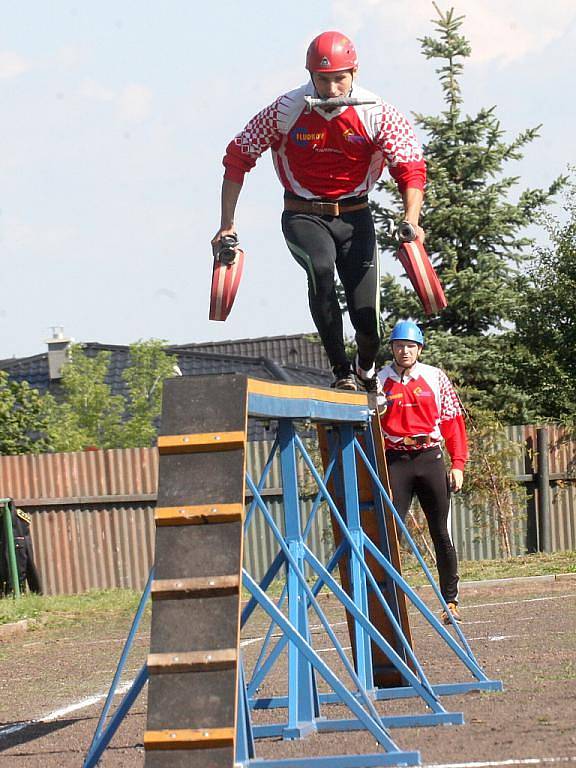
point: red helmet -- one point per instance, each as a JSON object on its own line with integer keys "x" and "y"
{"x": 331, "y": 52}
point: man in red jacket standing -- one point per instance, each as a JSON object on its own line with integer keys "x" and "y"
{"x": 328, "y": 156}
{"x": 422, "y": 411}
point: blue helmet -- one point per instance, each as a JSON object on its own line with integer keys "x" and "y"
{"x": 406, "y": 330}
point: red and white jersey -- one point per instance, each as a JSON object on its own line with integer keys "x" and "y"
{"x": 420, "y": 404}
{"x": 332, "y": 155}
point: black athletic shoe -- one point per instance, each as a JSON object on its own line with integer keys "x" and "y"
{"x": 344, "y": 379}
{"x": 368, "y": 380}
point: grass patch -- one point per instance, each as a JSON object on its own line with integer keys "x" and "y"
{"x": 57, "y": 610}
{"x": 112, "y": 604}
{"x": 479, "y": 570}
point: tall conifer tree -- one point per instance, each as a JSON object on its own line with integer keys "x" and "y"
{"x": 474, "y": 232}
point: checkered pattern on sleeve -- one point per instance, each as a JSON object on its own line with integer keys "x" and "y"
{"x": 261, "y": 132}
{"x": 449, "y": 402}
{"x": 395, "y": 137}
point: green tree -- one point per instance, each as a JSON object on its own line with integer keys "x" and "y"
{"x": 474, "y": 234}
{"x": 546, "y": 321}
{"x": 24, "y": 417}
{"x": 149, "y": 366}
{"x": 89, "y": 414}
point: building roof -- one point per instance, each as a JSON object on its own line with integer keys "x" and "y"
{"x": 35, "y": 369}
{"x": 298, "y": 349}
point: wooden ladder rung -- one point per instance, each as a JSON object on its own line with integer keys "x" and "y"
{"x": 202, "y": 586}
{"x": 198, "y": 515}
{"x": 191, "y": 661}
{"x": 205, "y": 441}
{"x": 188, "y": 738}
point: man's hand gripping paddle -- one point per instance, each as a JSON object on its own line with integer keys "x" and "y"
{"x": 420, "y": 271}
{"x": 226, "y": 274}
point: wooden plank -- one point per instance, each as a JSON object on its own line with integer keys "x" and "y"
{"x": 204, "y": 699}
{"x": 194, "y": 551}
{"x": 210, "y": 477}
{"x": 200, "y": 624}
{"x": 192, "y": 404}
{"x": 209, "y": 586}
{"x": 198, "y": 514}
{"x": 205, "y": 441}
{"x": 391, "y": 528}
{"x": 194, "y": 661}
{"x": 188, "y": 738}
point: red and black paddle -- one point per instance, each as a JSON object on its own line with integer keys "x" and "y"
{"x": 421, "y": 274}
{"x": 226, "y": 274}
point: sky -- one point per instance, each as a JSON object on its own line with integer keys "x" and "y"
{"x": 114, "y": 117}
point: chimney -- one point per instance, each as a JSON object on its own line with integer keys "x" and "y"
{"x": 57, "y": 349}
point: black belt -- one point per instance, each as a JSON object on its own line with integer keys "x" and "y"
{"x": 413, "y": 452}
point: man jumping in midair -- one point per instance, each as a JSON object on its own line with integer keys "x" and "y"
{"x": 328, "y": 157}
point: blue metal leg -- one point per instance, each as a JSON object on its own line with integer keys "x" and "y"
{"x": 302, "y": 706}
{"x": 371, "y": 723}
{"x": 260, "y": 673}
{"x": 353, "y": 546}
{"x": 244, "y": 733}
{"x": 468, "y": 657}
{"x": 122, "y": 710}
{"x": 307, "y": 593}
{"x": 357, "y": 574}
{"x": 122, "y": 662}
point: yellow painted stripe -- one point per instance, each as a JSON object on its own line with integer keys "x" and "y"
{"x": 191, "y": 661}
{"x": 272, "y": 389}
{"x": 188, "y": 738}
{"x": 199, "y": 586}
{"x": 198, "y": 515}
{"x": 204, "y": 441}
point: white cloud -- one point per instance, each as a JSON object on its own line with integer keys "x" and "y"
{"x": 133, "y": 102}
{"x": 12, "y": 64}
{"x": 23, "y": 236}
{"x": 67, "y": 57}
{"x": 504, "y": 30}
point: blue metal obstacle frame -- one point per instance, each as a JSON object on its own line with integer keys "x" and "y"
{"x": 289, "y": 615}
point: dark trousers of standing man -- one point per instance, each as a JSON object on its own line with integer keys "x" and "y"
{"x": 423, "y": 474}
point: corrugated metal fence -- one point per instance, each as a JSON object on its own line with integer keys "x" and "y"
{"x": 92, "y": 512}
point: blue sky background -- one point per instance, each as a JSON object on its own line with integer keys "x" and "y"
{"x": 115, "y": 116}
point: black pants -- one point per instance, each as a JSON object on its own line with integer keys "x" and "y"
{"x": 424, "y": 473}
{"x": 347, "y": 244}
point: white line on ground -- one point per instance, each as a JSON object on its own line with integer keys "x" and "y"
{"x": 517, "y": 602}
{"x": 496, "y": 763}
{"x": 251, "y": 640}
{"x": 491, "y": 639}
{"x": 51, "y": 716}
{"x": 332, "y": 649}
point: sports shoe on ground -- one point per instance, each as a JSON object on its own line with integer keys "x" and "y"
{"x": 368, "y": 380}
{"x": 344, "y": 379}
{"x": 453, "y": 609}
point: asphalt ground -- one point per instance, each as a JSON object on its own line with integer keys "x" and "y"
{"x": 522, "y": 632}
